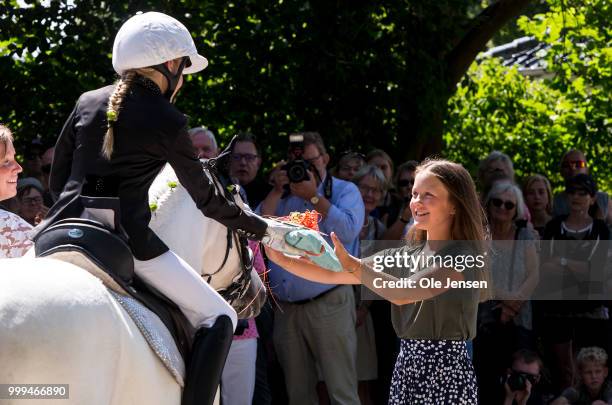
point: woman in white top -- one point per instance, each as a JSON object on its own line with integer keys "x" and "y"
{"x": 14, "y": 231}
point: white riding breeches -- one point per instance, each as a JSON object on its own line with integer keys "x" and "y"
{"x": 179, "y": 282}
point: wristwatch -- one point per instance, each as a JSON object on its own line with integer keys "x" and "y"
{"x": 563, "y": 261}
{"x": 315, "y": 199}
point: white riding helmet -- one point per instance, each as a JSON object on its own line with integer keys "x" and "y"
{"x": 149, "y": 39}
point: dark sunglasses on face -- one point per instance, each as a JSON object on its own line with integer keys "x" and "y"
{"x": 578, "y": 191}
{"x": 533, "y": 378}
{"x": 574, "y": 164}
{"x": 405, "y": 183}
{"x": 508, "y": 205}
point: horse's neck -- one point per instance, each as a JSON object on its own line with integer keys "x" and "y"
{"x": 197, "y": 239}
{"x": 176, "y": 219}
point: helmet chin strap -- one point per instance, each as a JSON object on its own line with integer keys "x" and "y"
{"x": 171, "y": 78}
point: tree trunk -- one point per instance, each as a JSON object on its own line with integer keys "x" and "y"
{"x": 482, "y": 29}
{"x": 422, "y": 136}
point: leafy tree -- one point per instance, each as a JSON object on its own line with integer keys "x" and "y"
{"x": 362, "y": 73}
{"x": 536, "y": 121}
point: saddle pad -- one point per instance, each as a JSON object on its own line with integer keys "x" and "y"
{"x": 156, "y": 335}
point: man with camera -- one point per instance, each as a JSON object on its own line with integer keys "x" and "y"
{"x": 314, "y": 327}
{"x": 522, "y": 378}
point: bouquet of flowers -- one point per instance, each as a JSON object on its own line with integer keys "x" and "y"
{"x": 307, "y": 237}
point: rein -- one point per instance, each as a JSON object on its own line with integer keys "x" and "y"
{"x": 239, "y": 287}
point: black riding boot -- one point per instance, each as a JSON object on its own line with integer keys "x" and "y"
{"x": 208, "y": 355}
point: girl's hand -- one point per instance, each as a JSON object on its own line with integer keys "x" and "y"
{"x": 347, "y": 261}
{"x": 285, "y": 261}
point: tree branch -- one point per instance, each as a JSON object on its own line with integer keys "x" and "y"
{"x": 482, "y": 29}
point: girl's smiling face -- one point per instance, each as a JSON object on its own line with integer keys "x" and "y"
{"x": 431, "y": 207}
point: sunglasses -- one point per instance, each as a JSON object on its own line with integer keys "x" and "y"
{"x": 578, "y": 191}
{"x": 574, "y": 164}
{"x": 533, "y": 378}
{"x": 508, "y": 205}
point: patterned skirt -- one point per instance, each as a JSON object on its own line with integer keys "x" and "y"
{"x": 433, "y": 372}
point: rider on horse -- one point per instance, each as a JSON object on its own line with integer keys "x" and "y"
{"x": 119, "y": 137}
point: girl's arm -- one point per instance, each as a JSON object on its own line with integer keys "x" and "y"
{"x": 356, "y": 271}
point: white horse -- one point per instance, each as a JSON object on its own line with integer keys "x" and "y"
{"x": 212, "y": 249}
{"x": 60, "y": 325}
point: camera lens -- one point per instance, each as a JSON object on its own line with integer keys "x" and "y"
{"x": 296, "y": 173}
{"x": 516, "y": 381}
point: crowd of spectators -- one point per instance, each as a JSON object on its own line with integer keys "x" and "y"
{"x": 316, "y": 343}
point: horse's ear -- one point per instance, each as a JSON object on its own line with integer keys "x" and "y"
{"x": 223, "y": 159}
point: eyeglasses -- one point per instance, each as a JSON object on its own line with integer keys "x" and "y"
{"x": 508, "y": 205}
{"x": 405, "y": 183}
{"x": 574, "y": 164}
{"x": 32, "y": 200}
{"x": 367, "y": 189}
{"x": 578, "y": 191}
{"x": 312, "y": 160}
{"x": 248, "y": 157}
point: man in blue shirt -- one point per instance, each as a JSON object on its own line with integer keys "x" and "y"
{"x": 315, "y": 325}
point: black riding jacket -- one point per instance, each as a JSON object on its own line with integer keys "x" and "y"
{"x": 149, "y": 132}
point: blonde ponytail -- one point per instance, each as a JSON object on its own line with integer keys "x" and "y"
{"x": 112, "y": 113}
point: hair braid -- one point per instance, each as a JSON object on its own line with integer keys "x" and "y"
{"x": 112, "y": 113}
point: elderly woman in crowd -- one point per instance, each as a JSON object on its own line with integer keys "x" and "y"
{"x": 506, "y": 325}
{"x": 496, "y": 166}
{"x": 14, "y": 236}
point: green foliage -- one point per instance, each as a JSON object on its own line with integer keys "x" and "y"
{"x": 535, "y": 121}
{"x": 364, "y": 74}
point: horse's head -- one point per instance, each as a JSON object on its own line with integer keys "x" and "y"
{"x": 220, "y": 255}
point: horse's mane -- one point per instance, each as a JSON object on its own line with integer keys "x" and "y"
{"x": 165, "y": 192}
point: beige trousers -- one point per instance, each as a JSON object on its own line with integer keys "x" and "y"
{"x": 320, "y": 333}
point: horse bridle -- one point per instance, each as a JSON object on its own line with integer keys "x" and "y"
{"x": 239, "y": 287}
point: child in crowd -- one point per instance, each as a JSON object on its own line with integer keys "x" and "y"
{"x": 594, "y": 387}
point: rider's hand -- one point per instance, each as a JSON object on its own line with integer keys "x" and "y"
{"x": 275, "y": 237}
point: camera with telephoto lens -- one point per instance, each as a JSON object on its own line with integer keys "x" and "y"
{"x": 517, "y": 381}
{"x": 297, "y": 167}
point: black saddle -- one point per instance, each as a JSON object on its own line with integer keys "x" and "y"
{"x": 110, "y": 252}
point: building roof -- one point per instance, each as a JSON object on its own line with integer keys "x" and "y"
{"x": 526, "y": 53}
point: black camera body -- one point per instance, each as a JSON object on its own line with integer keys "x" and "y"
{"x": 297, "y": 168}
{"x": 518, "y": 381}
